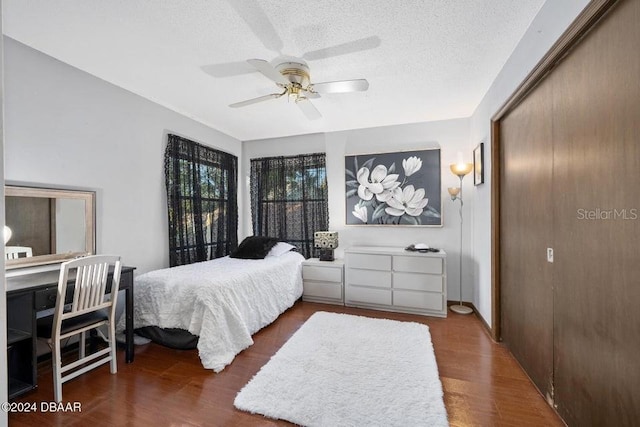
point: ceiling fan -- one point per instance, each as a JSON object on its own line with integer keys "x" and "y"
{"x": 294, "y": 80}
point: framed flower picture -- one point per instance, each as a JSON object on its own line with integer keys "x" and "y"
{"x": 399, "y": 188}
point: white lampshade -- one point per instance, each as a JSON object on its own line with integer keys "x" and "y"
{"x": 453, "y": 191}
{"x": 461, "y": 169}
{"x": 7, "y": 234}
{"x": 325, "y": 239}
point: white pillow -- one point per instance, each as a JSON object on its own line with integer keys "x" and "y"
{"x": 279, "y": 249}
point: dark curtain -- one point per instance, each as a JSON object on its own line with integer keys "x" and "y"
{"x": 202, "y": 200}
{"x": 289, "y": 198}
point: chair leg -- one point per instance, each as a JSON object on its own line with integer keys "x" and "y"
{"x": 113, "y": 345}
{"x": 82, "y": 345}
{"x": 57, "y": 366}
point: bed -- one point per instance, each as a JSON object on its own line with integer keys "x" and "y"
{"x": 223, "y": 301}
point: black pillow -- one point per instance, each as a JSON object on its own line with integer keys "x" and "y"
{"x": 254, "y": 247}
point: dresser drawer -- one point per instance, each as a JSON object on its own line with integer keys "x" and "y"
{"x": 418, "y": 300}
{"x": 323, "y": 290}
{"x": 417, "y": 264}
{"x": 369, "y": 261}
{"x": 379, "y": 279}
{"x": 46, "y": 298}
{"x": 418, "y": 282}
{"x": 322, "y": 274}
{"x": 368, "y": 295}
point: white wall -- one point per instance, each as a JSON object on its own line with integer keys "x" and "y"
{"x": 450, "y": 135}
{"x": 552, "y": 20}
{"x": 65, "y": 128}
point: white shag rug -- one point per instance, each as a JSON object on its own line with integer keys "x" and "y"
{"x": 344, "y": 370}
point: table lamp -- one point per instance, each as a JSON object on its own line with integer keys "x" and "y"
{"x": 326, "y": 241}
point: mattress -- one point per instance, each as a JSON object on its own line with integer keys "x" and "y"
{"x": 223, "y": 301}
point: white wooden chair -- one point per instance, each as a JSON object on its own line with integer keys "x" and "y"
{"x": 14, "y": 252}
{"x": 89, "y": 308}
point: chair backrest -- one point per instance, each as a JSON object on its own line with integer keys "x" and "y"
{"x": 13, "y": 252}
{"x": 89, "y": 276}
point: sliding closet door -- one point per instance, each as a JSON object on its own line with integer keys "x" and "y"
{"x": 597, "y": 251}
{"x": 526, "y": 232}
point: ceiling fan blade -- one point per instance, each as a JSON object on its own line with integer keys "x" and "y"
{"x": 311, "y": 95}
{"x": 308, "y": 109}
{"x": 268, "y": 71}
{"x": 256, "y": 100}
{"x": 344, "y": 48}
{"x": 341, "y": 86}
{"x": 259, "y": 23}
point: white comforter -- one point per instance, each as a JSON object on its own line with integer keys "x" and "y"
{"x": 223, "y": 301}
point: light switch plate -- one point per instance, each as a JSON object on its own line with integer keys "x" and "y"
{"x": 549, "y": 254}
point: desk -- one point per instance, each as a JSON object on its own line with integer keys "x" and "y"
{"x": 30, "y": 293}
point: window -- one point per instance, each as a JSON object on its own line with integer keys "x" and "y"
{"x": 289, "y": 198}
{"x": 202, "y": 201}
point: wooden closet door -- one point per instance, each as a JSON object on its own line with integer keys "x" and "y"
{"x": 597, "y": 251}
{"x": 526, "y": 230}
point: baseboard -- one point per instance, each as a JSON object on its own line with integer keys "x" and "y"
{"x": 478, "y": 315}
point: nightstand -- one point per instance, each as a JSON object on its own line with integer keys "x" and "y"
{"x": 323, "y": 281}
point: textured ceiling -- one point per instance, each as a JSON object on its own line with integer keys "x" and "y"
{"x": 424, "y": 59}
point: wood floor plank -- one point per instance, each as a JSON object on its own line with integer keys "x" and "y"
{"x": 483, "y": 385}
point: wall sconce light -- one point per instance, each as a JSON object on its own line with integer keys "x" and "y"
{"x": 326, "y": 241}
{"x": 460, "y": 169}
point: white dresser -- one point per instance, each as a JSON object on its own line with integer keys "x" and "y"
{"x": 322, "y": 281}
{"x": 392, "y": 279}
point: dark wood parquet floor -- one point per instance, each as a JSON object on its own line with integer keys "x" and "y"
{"x": 483, "y": 384}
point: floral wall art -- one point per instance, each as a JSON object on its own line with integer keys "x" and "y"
{"x": 401, "y": 188}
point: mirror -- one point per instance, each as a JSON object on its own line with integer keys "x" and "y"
{"x": 46, "y": 226}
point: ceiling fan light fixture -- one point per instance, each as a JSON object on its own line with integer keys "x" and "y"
{"x": 294, "y": 78}
{"x": 295, "y": 72}
{"x": 293, "y": 91}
